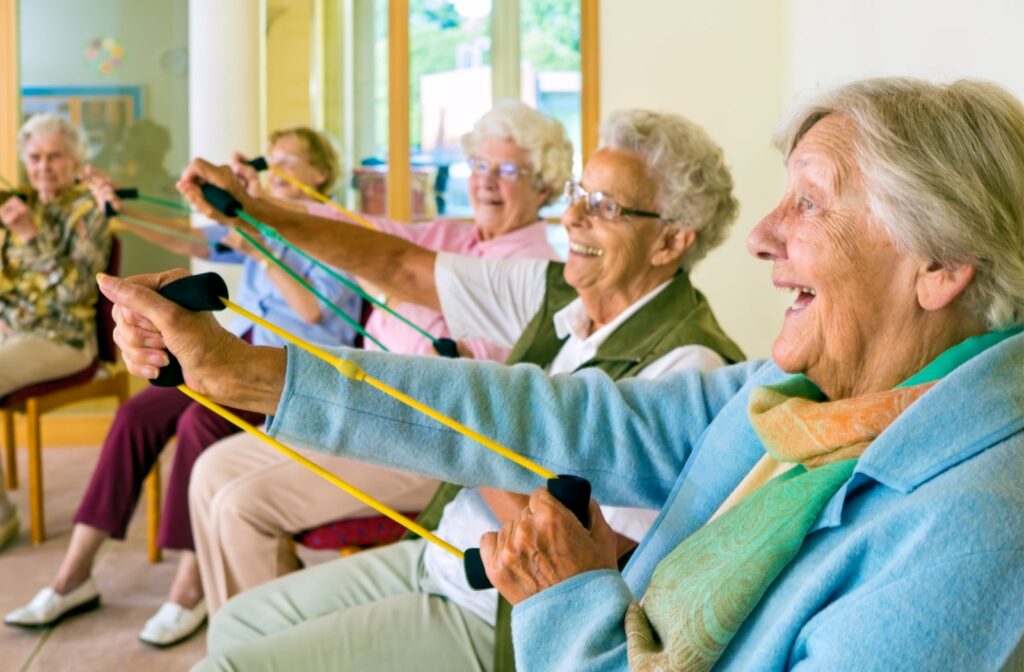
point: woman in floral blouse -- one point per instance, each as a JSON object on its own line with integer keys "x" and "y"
{"x": 53, "y": 241}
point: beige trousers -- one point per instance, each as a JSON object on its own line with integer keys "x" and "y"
{"x": 25, "y": 360}
{"x": 247, "y": 499}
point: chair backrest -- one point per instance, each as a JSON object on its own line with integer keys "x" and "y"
{"x": 104, "y": 308}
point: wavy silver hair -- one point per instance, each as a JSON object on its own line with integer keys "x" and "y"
{"x": 49, "y": 123}
{"x": 944, "y": 169}
{"x": 694, "y": 186}
{"x": 543, "y": 137}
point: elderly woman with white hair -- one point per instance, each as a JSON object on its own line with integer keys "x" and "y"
{"x": 53, "y": 242}
{"x": 855, "y": 503}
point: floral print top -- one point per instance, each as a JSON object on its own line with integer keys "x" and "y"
{"x": 48, "y": 284}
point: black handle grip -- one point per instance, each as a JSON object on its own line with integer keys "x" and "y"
{"x": 125, "y": 193}
{"x": 221, "y": 200}
{"x": 572, "y": 491}
{"x": 221, "y": 248}
{"x": 195, "y": 292}
{"x": 20, "y": 196}
{"x": 259, "y": 163}
{"x": 446, "y": 348}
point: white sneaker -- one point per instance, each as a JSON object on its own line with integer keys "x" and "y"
{"x": 49, "y": 607}
{"x": 172, "y": 624}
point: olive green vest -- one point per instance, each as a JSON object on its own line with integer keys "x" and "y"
{"x": 678, "y": 316}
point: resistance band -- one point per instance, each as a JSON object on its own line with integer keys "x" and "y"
{"x": 132, "y": 193}
{"x": 260, "y": 164}
{"x": 230, "y": 207}
{"x": 209, "y": 292}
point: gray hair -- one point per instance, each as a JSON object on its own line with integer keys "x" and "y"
{"x": 694, "y": 186}
{"x": 49, "y": 123}
{"x": 543, "y": 137}
{"x": 944, "y": 169}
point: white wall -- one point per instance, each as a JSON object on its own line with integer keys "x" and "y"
{"x": 734, "y": 66}
{"x": 836, "y": 41}
{"x": 721, "y": 64}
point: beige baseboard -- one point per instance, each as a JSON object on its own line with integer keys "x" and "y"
{"x": 68, "y": 429}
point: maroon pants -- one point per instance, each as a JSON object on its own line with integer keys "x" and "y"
{"x": 142, "y": 428}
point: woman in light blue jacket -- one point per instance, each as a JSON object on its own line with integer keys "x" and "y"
{"x": 856, "y": 503}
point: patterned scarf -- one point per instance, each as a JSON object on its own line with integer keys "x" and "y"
{"x": 702, "y": 592}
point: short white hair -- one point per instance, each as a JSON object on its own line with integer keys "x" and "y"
{"x": 694, "y": 186}
{"x": 543, "y": 137}
{"x": 50, "y": 123}
{"x": 944, "y": 172}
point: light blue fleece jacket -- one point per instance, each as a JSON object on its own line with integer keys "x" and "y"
{"x": 917, "y": 563}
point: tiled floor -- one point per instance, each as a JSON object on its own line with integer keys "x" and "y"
{"x": 132, "y": 588}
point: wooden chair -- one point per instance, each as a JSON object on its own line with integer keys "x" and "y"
{"x": 103, "y": 378}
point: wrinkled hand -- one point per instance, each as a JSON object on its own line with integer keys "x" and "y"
{"x": 247, "y": 176}
{"x": 544, "y": 545}
{"x": 147, "y": 324}
{"x": 17, "y": 218}
{"x": 200, "y": 172}
{"x": 101, "y": 186}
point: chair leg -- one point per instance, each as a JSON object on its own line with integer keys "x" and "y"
{"x": 153, "y": 513}
{"x": 10, "y": 450}
{"x": 35, "y": 474}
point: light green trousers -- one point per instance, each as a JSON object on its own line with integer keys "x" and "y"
{"x": 370, "y": 611}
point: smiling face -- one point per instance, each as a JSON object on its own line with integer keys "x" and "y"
{"x": 50, "y": 164}
{"x": 502, "y": 206}
{"x": 290, "y": 155}
{"x": 627, "y": 257}
{"x": 855, "y": 302}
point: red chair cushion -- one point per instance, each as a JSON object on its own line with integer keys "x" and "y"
{"x": 362, "y": 532}
{"x": 50, "y": 386}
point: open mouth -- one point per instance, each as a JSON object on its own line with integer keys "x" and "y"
{"x": 804, "y": 297}
{"x": 585, "y": 250}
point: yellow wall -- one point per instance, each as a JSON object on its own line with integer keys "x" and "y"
{"x": 722, "y": 65}
{"x": 289, "y": 44}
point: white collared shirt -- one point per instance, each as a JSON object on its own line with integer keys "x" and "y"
{"x": 498, "y": 298}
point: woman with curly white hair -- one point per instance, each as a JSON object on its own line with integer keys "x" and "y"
{"x": 53, "y": 241}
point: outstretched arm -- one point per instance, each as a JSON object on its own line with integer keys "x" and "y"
{"x": 402, "y": 269}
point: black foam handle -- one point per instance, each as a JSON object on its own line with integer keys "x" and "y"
{"x": 127, "y": 193}
{"x": 21, "y": 197}
{"x": 446, "y": 348}
{"x": 221, "y": 200}
{"x": 108, "y": 210}
{"x": 221, "y": 248}
{"x": 574, "y": 494}
{"x": 259, "y": 163}
{"x": 195, "y": 292}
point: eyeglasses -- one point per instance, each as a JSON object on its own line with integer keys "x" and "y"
{"x": 506, "y": 170}
{"x": 600, "y": 205}
{"x": 283, "y": 160}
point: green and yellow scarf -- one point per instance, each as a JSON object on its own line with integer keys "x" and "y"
{"x": 701, "y": 593}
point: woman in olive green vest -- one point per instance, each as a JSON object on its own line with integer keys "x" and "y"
{"x": 652, "y": 202}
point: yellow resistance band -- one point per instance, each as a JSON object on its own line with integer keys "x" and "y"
{"x": 410, "y": 525}
{"x": 352, "y": 370}
{"x": 313, "y": 193}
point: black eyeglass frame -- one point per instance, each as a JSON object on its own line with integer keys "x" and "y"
{"x": 574, "y": 192}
